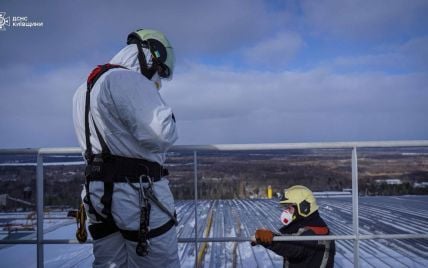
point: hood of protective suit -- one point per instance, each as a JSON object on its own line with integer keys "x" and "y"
{"x": 128, "y": 57}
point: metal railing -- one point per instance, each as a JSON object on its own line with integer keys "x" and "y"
{"x": 356, "y": 236}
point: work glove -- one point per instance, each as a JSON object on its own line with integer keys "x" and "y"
{"x": 264, "y": 236}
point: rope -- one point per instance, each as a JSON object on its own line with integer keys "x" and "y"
{"x": 81, "y": 233}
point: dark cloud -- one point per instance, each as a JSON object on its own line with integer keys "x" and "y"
{"x": 95, "y": 30}
{"x": 366, "y": 19}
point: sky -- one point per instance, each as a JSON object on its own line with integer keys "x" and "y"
{"x": 246, "y": 71}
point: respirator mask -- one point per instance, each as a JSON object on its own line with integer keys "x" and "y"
{"x": 287, "y": 215}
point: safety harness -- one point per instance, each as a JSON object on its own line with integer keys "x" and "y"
{"x": 112, "y": 169}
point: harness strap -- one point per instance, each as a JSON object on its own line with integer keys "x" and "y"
{"x": 133, "y": 235}
{"x": 92, "y": 79}
{"x": 100, "y": 230}
{"x": 88, "y": 152}
{"x": 105, "y": 151}
{"x": 107, "y": 197}
{"x": 154, "y": 199}
{"x": 124, "y": 169}
{"x": 87, "y": 200}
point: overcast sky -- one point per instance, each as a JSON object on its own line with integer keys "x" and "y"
{"x": 246, "y": 71}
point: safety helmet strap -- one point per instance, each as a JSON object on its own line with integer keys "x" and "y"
{"x": 133, "y": 38}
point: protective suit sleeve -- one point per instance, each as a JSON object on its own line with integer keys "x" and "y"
{"x": 292, "y": 249}
{"x": 142, "y": 110}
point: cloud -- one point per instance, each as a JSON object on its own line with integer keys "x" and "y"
{"x": 409, "y": 56}
{"x": 274, "y": 52}
{"x": 35, "y": 108}
{"x": 218, "y": 106}
{"x": 365, "y": 19}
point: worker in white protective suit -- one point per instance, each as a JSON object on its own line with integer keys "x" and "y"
{"x": 124, "y": 128}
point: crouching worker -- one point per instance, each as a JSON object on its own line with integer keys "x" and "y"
{"x": 300, "y": 217}
{"x": 125, "y": 128}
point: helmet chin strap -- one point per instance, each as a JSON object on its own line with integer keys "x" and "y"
{"x": 144, "y": 69}
{"x": 157, "y": 80}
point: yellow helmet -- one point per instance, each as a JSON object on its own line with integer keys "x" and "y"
{"x": 302, "y": 197}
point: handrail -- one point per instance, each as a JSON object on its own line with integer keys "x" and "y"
{"x": 242, "y": 147}
{"x": 241, "y": 239}
{"x": 356, "y": 236}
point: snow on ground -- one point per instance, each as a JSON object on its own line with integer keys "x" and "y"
{"x": 378, "y": 215}
{"x": 55, "y": 255}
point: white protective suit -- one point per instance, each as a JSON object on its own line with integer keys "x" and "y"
{"x": 135, "y": 122}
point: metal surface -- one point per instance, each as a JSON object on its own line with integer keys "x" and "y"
{"x": 355, "y": 223}
{"x": 39, "y": 207}
{"x": 195, "y": 190}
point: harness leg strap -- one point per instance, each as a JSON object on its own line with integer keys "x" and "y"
{"x": 101, "y": 230}
{"x": 106, "y": 199}
{"x": 133, "y": 235}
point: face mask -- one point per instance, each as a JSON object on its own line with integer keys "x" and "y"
{"x": 287, "y": 216}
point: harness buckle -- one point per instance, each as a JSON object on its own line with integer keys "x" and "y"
{"x": 89, "y": 157}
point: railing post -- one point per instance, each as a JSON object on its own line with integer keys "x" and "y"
{"x": 195, "y": 190}
{"x": 39, "y": 207}
{"x": 355, "y": 222}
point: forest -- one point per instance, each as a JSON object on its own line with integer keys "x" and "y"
{"x": 243, "y": 175}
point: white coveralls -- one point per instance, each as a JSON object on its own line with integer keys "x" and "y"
{"x": 135, "y": 122}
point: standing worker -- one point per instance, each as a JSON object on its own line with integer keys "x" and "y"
{"x": 300, "y": 217}
{"x": 125, "y": 128}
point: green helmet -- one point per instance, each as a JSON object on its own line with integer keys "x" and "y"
{"x": 302, "y": 197}
{"x": 160, "y": 48}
